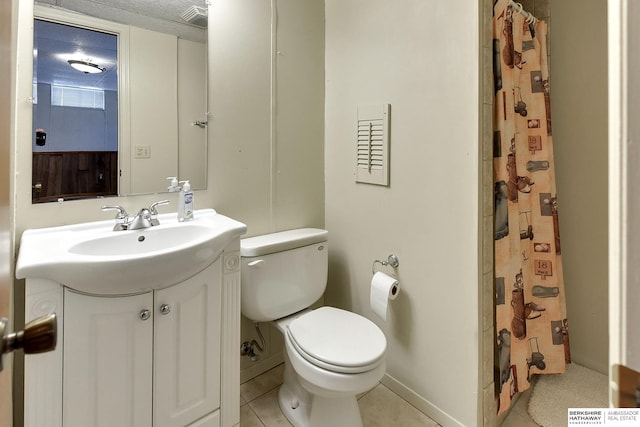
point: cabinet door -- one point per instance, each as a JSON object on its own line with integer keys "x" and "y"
{"x": 187, "y": 349}
{"x": 107, "y": 360}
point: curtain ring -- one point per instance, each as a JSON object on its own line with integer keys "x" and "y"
{"x": 531, "y": 19}
{"x": 518, "y": 6}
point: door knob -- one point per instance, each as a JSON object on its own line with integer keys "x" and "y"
{"x": 39, "y": 336}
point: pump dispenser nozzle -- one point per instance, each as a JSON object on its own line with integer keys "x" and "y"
{"x": 173, "y": 187}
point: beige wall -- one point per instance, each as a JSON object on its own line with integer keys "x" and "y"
{"x": 266, "y": 97}
{"x": 422, "y": 58}
{"x": 579, "y": 114}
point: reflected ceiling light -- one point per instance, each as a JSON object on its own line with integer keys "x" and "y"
{"x": 85, "y": 66}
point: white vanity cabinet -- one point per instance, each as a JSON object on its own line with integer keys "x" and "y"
{"x": 147, "y": 359}
{"x": 120, "y": 351}
{"x": 148, "y": 323}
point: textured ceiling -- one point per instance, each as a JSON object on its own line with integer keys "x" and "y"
{"x": 157, "y": 15}
{"x": 56, "y": 43}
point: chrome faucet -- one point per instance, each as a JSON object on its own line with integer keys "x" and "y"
{"x": 141, "y": 220}
{"x": 145, "y": 218}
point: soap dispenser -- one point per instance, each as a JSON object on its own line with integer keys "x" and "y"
{"x": 185, "y": 203}
{"x": 173, "y": 187}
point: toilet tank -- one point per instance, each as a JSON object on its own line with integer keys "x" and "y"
{"x": 282, "y": 273}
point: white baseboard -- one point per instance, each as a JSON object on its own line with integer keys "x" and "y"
{"x": 423, "y": 405}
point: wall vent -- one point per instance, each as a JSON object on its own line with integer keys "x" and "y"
{"x": 372, "y": 148}
{"x": 196, "y": 16}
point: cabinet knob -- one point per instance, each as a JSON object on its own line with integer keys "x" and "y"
{"x": 165, "y": 309}
{"x": 145, "y": 314}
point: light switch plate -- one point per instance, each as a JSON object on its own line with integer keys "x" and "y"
{"x": 142, "y": 151}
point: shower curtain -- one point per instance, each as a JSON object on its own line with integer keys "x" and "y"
{"x": 531, "y": 324}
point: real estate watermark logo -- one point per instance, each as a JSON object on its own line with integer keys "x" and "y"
{"x": 603, "y": 416}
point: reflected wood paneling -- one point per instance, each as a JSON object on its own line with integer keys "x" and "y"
{"x": 74, "y": 174}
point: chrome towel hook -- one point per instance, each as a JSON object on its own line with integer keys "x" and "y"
{"x": 392, "y": 261}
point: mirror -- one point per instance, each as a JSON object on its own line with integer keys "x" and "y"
{"x": 147, "y": 116}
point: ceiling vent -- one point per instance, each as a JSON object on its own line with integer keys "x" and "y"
{"x": 196, "y": 16}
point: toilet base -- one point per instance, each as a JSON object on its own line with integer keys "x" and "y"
{"x": 304, "y": 409}
{"x": 322, "y": 412}
{"x": 294, "y": 400}
{"x": 328, "y": 412}
{"x": 296, "y": 411}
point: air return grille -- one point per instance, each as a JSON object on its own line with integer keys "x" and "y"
{"x": 195, "y": 15}
{"x": 372, "y": 166}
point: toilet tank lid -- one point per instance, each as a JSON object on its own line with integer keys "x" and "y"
{"x": 281, "y": 241}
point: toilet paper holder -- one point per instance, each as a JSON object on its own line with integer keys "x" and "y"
{"x": 392, "y": 260}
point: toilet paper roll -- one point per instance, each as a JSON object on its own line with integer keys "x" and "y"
{"x": 383, "y": 289}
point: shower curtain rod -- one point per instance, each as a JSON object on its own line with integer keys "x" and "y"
{"x": 520, "y": 9}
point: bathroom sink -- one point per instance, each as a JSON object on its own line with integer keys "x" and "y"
{"x": 91, "y": 257}
{"x": 149, "y": 241}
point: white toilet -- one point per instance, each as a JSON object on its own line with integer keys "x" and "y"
{"x": 331, "y": 355}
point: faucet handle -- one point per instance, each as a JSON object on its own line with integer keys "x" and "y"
{"x": 152, "y": 208}
{"x": 122, "y": 214}
{"x": 122, "y": 217}
{"x": 154, "y": 212}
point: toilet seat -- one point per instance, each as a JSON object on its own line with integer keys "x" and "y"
{"x": 337, "y": 340}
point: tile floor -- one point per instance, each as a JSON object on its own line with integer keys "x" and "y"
{"x": 379, "y": 407}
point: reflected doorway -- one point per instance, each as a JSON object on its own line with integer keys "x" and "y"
{"x": 75, "y": 113}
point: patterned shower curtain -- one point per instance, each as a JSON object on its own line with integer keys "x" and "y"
{"x": 531, "y": 324}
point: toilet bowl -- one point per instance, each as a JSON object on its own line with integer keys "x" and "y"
{"x": 330, "y": 355}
